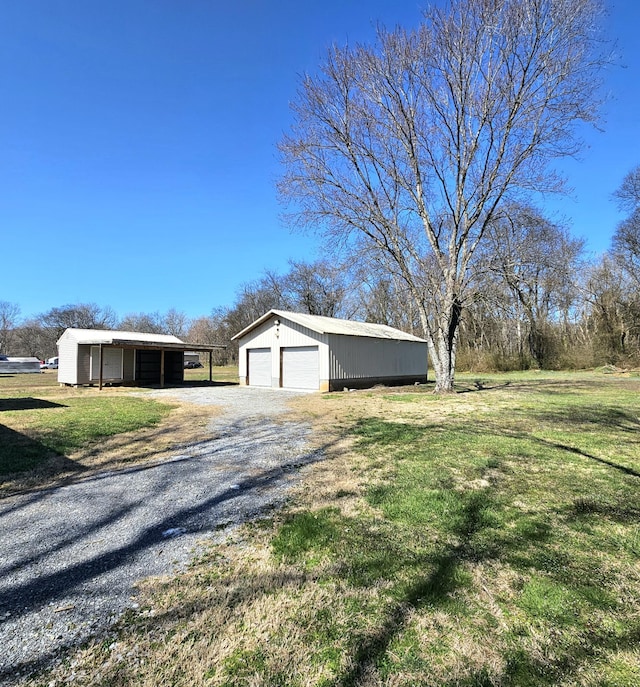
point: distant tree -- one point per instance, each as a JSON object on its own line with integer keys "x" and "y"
{"x": 150, "y": 323}
{"x": 176, "y": 323}
{"x": 317, "y": 288}
{"x": 537, "y": 261}
{"x": 35, "y": 340}
{"x": 614, "y": 312}
{"x": 213, "y": 330}
{"x": 628, "y": 194}
{"x": 9, "y": 317}
{"x": 79, "y": 315}
{"x": 626, "y": 239}
{"x": 415, "y": 144}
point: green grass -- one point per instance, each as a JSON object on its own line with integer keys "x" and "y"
{"x": 39, "y": 419}
{"x": 488, "y": 538}
{"x": 32, "y": 429}
{"x": 540, "y": 491}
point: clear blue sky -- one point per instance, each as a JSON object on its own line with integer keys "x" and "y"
{"x": 127, "y": 123}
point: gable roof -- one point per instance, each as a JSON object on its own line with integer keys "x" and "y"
{"x": 333, "y": 325}
{"x": 113, "y": 337}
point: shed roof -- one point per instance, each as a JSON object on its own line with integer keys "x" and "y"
{"x": 124, "y": 339}
{"x": 333, "y": 325}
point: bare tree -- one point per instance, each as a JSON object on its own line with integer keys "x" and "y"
{"x": 316, "y": 288}
{"x": 626, "y": 239}
{"x": 80, "y": 315}
{"x": 537, "y": 261}
{"x": 150, "y": 323}
{"x": 415, "y": 144}
{"x": 33, "y": 339}
{"x": 176, "y": 323}
{"x": 9, "y": 315}
{"x": 614, "y": 311}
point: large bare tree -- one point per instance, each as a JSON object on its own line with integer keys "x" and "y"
{"x": 414, "y": 144}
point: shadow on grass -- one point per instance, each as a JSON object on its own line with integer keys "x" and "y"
{"x": 244, "y": 493}
{"x": 579, "y": 452}
{"x": 447, "y": 575}
{"x": 594, "y": 416}
{"x": 27, "y": 403}
{"x": 20, "y": 453}
{"x": 434, "y": 590}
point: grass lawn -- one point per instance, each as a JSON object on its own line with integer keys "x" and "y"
{"x": 491, "y": 537}
{"x": 50, "y": 433}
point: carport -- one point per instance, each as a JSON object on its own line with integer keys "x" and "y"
{"x": 94, "y": 356}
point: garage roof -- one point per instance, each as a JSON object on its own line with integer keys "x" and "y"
{"x": 332, "y": 325}
{"x": 124, "y": 339}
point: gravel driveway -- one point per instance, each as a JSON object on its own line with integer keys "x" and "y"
{"x": 70, "y": 556}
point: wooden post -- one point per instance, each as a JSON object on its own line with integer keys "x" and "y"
{"x": 162, "y": 367}
{"x": 210, "y": 365}
{"x": 100, "y": 376}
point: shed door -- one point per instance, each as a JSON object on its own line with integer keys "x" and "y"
{"x": 111, "y": 363}
{"x": 300, "y": 369}
{"x": 259, "y": 366}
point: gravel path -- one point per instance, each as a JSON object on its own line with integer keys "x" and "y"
{"x": 70, "y": 556}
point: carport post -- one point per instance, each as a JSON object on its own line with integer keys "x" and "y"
{"x": 210, "y": 365}
{"x": 162, "y": 367}
{"x": 100, "y": 375}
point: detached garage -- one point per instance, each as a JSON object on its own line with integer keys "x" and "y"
{"x": 297, "y": 351}
{"x": 99, "y": 356}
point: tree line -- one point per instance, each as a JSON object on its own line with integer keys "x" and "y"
{"x": 420, "y": 159}
{"x": 537, "y": 300}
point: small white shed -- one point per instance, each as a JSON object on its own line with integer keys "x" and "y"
{"x": 297, "y": 351}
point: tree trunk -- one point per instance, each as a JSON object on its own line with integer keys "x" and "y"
{"x": 444, "y": 368}
{"x": 443, "y": 343}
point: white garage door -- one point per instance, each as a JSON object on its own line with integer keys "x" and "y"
{"x": 300, "y": 367}
{"x": 259, "y": 364}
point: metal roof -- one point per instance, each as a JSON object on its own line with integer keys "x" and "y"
{"x": 124, "y": 339}
{"x": 332, "y": 325}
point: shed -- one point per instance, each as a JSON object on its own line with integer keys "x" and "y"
{"x": 297, "y": 351}
{"x": 100, "y": 356}
{"x": 19, "y": 365}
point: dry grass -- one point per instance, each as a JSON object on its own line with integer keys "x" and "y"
{"x": 244, "y": 616}
{"x": 184, "y": 424}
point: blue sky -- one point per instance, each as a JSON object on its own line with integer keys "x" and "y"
{"x": 126, "y": 123}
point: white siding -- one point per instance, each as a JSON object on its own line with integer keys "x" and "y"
{"x": 68, "y": 360}
{"x": 339, "y": 357}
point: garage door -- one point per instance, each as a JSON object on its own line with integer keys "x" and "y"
{"x": 259, "y": 366}
{"x": 300, "y": 367}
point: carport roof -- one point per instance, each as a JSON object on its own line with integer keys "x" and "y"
{"x": 333, "y": 325}
{"x": 124, "y": 339}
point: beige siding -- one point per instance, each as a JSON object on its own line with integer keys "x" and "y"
{"x": 354, "y": 357}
